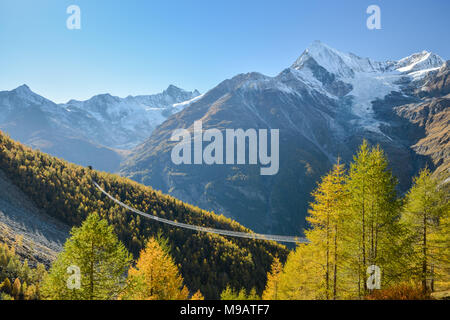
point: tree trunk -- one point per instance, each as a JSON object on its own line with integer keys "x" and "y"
{"x": 91, "y": 273}
{"x": 335, "y": 263}
{"x": 327, "y": 274}
{"x": 424, "y": 251}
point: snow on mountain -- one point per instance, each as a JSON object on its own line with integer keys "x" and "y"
{"x": 419, "y": 62}
{"x": 338, "y": 75}
{"x": 177, "y": 107}
{"x": 339, "y": 63}
{"x": 369, "y": 79}
{"x": 323, "y": 106}
{"x": 98, "y": 131}
{"x": 25, "y": 95}
{"x": 126, "y": 122}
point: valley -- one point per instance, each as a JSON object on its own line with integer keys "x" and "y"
{"x": 323, "y": 105}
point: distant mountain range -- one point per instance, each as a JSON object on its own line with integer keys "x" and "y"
{"x": 98, "y": 132}
{"x": 324, "y": 105}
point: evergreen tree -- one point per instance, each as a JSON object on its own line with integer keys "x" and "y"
{"x": 39, "y": 275}
{"x": 5, "y": 296}
{"x": 102, "y": 261}
{"x": 314, "y": 270}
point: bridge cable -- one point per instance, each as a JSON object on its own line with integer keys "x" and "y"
{"x": 255, "y": 236}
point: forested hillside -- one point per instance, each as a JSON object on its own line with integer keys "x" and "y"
{"x": 207, "y": 262}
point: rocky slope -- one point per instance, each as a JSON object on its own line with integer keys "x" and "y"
{"x": 35, "y": 235}
{"x": 433, "y": 116}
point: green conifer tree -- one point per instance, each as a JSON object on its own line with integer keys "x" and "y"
{"x": 425, "y": 215}
{"x": 101, "y": 259}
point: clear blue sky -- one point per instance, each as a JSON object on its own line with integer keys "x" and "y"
{"x": 142, "y": 46}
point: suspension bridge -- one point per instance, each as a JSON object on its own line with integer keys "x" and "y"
{"x": 236, "y": 234}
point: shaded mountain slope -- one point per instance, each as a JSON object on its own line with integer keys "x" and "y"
{"x": 432, "y": 114}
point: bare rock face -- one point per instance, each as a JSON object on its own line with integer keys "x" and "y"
{"x": 433, "y": 115}
{"x": 437, "y": 84}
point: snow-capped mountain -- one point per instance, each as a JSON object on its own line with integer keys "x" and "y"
{"x": 369, "y": 80}
{"x": 98, "y": 131}
{"x": 324, "y": 104}
{"x": 123, "y": 123}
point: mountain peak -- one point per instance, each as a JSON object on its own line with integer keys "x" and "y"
{"x": 419, "y": 61}
{"x": 175, "y": 92}
{"x": 316, "y": 50}
{"x": 346, "y": 64}
{"x": 334, "y": 61}
{"x": 23, "y": 89}
{"x": 171, "y": 89}
{"x": 24, "y": 92}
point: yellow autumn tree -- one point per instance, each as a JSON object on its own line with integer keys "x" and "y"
{"x": 155, "y": 276}
{"x": 426, "y": 217}
{"x": 197, "y": 296}
{"x": 273, "y": 278}
{"x": 301, "y": 278}
{"x": 315, "y": 270}
{"x": 326, "y": 218}
{"x": 16, "y": 288}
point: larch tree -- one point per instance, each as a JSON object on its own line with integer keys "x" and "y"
{"x": 326, "y": 218}
{"x": 92, "y": 257}
{"x": 371, "y": 225}
{"x": 273, "y": 278}
{"x": 426, "y": 217}
{"x": 16, "y": 289}
{"x": 302, "y": 276}
{"x": 155, "y": 276}
{"x": 231, "y": 294}
{"x": 197, "y": 296}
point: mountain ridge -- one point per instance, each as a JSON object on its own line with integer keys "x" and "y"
{"x": 98, "y": 131}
